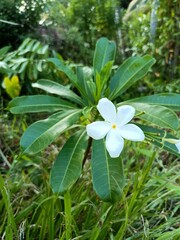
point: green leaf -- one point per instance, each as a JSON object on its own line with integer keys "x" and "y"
{"x": 104, "y": 52}
{"x": 24, "y": 44}
{"x": 102, "y": 79}
{"x": 41, "y": 133}
{"x": 158, "y": 115}
{"x": 107, "y": 173}
{"x": 27, "y": 47}
{"x": 58, "y": 89}
{"x": 174, "y": 235}
{"x": 155, "y": 136}
{"x": 69, "y": 73}
{"x": 4, "y": 51}
{"x": 38, "y": 103}
{"x": 171, "y": 100}
{"x": 84, "y": 77}
{"x": 68, "y": 165}
{"x": 133, "y": 69}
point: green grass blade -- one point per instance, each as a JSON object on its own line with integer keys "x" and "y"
{"x": 174, "y": 235}
{"x": 11, "y": 225}
{"x": 68, "y": 216}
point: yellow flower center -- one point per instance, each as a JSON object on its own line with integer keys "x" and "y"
{"x": 114, "y": 126}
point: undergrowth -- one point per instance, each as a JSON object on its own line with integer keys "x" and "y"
{"x": 148, "y": 209}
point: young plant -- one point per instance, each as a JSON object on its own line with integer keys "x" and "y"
{"x": 76, "y": 108}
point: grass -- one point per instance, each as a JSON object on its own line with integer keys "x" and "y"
{"x": 149, "y": 208}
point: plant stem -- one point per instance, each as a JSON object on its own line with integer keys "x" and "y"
{"x": 87, "y": 150}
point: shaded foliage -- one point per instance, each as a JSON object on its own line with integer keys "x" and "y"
{"x": 152, "y": 27}
{"x": 76, "y": 26}
{"x": 26, "y": 14}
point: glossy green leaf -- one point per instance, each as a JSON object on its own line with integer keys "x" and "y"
{"x": 104, "y": 52}
{"x": 107, "y": 173}
{"x": 69, "y": 73}
{"x": 132, "y": 70}
{"x": 155, "y": 136}
{"x": 158, "y": 115}
{"x": 38, "y": 103}
{"x": 41, "y": 133}
{"x": 102, "y": 79}
{"x": 68, "y": 165}
{"x": 170, "y": 100}
{"x": 58, "y": 89}
{"x": 84, "y": 76}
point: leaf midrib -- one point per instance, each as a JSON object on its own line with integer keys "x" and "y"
{"x": 154, "y": 116}
{"x": 108, "y": 174}
{"x": 42, "y": 105}
{"x": 115, "y": 93}
{"x": 40, "y": 136}
{"x": 76, "y": 145}
{"x": 60, "y": 91}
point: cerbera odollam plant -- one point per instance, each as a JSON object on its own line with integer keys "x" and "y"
{"x": 82, "y": 108}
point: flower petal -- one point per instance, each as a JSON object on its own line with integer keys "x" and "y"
{"x": 178, "y": 146}
{"x": 98, "y": 130}
{"x": 132, "y": 132}
{"x": 125, "y": 114}
{"x": 107, "y": 110}
{"x": 114, "y": 143}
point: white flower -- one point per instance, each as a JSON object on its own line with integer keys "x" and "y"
{"x": 178, "y": 146}
{"x": 174, "y": 141}
{"x": 115, "y": 126}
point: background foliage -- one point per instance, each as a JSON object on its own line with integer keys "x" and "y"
{"x": 25, "y": 14}
{"x": 153, "y": 27}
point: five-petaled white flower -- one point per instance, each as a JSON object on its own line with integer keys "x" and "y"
{"x": 115, "y": 126}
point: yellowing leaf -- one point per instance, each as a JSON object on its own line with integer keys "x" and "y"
{"x": 12, "y": 86}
